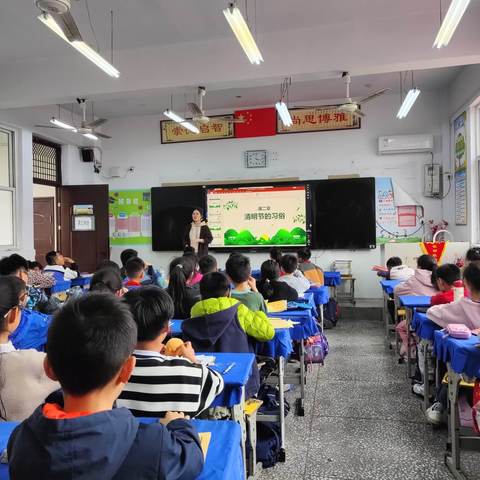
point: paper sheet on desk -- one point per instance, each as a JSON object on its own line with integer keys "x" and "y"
{"x": 278, "y": 306}
{"x": 205, "y": 359}
{"x": 282, "y": 323}
{"x": 205, "y": 438}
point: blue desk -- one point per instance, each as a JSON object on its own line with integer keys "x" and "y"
{"x": 413, "y": 301}
{"x": 224, "y": 456}
{"x": 389, "y": 285}
{"x": 307, "y": 326}
{"x": 61, "y": 286}
{"x": 321, "y": 295}
{"x": 332, "y": 279}
{"x": 423, "y": 326}
{"x": 81, "y": 281}
{"x": 462, "y": 358}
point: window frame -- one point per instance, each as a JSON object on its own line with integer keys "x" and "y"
{"x": 12, "y": 188}
{"x": 58, "y": 163}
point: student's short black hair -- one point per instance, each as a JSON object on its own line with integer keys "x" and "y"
{"x": 472, "y": 275}
{"x": 50, "y": 257}
{"x": 449, "y": 273}
{"x": 106, "y": 280}
{"x": 473, "y": 254}
{"x": 89, "y": 339}
{"x": 108, "y": 264}
{"x": 426, "y": 262}
{"x": 276, "y": 254}
{"x": 270, "y": 270}
{"x": 13, "y": 264}
{"x": 289, "y": 263}
{"x": 152, "y": 308}
{"x": 134, "y": 267}
{"x": 214, "y": 285}
{"x": 188, "y": 251}
{"x": 11, "y": 289}
{"x": 394, "y": 262}
{"x": 238, "y": 268}
{"x": 304, "y": 253}
{"x": 207, "y": 264}
{"x": 127, "y": 254}
{"x": 34, "y": 264}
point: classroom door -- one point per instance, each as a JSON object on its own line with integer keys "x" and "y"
{"x": 87, "y": 247}
{"x": 43, "y": 227}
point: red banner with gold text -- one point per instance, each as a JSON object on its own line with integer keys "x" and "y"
{"x": 435, "y": 249}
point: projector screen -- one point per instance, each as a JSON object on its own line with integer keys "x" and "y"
{"x": 261, "y": 216}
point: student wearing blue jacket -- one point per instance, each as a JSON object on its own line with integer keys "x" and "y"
{"x": 89, "y": 350}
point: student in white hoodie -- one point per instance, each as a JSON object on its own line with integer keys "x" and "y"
{"x": 422, "y": 283}
{"x": 56, "y": 262}
{"x": 465, "y": 311}
{"x": 292, "y": 276}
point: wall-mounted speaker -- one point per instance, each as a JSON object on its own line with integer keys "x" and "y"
{"x": 88, "y": 155}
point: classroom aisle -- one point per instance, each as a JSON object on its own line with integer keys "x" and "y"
{"x": 361, "y": 422}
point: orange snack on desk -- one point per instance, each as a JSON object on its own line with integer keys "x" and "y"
{"x": 172, "y": 347}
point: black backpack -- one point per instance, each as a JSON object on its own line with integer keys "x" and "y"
{"x": 330, "y": 313}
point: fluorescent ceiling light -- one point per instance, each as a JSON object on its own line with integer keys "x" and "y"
{"x": 408, "y": 102}
{"x": 91, "y": 136}
{"x": 450, "y": 22}
{"x": 59, "y": 123}
{"x": 285, "y": 116}
{"x": 173, "y": 116}
{"x": 80, "y": 46}
{"x": 242, "y": 32}
{"x": 181, "y": 121}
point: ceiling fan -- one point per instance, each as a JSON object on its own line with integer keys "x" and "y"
{"x": 198, "y": 112}
{"x": 85, "y": 128}
{"x": 349, "y": 105}
{"x": 353, "y": 107}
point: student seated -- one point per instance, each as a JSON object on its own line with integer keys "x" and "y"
{"x": 445, "y": 277}
{"x": 189, "y": 252}
{"x": 184, "y": 296}
{"x": 135, "y": 270}
{"x": 108, "y": 280}
{"x": 24, "y": 384}
{"x": 271, "y": 288}
{"x": 207, "y": 264}
{"x": 151, "y": 275}
{"x": 89, "y": 351}
{"x": 472, "y": 255}
{"x": 276, "y": 255}
{"x": 188, "y": 387}
{"x": 420, "y": 284}
{"x": 60, "y": 266}
{"x": 396, "y": 270}
{"x": 311, "y": 272}
{"x": 109, "y": 264}
{"x": 223, "y": 324}
{"x": 245, "y": 286}
{"x": 292, "y": 276}
{"x": 465, "y": 311}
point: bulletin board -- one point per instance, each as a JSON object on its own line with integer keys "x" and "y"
{"x": 395, "y": 223}
{"x": 460, "y": 153}
{"x": 130, "y": 217}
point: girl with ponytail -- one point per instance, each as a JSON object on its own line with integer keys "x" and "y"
{"x": 23, "y": 382}
{"x": 269, "y": 286}
{"x": 108, "y": 280}
{"x": 184, "y": 296}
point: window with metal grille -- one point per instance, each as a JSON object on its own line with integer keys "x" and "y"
{"x": 46, "y": 162}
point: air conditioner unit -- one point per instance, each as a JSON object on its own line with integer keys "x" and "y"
{"x": 405, "y": 144}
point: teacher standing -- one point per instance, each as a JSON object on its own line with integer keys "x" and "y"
{"x": 197, "y": 234}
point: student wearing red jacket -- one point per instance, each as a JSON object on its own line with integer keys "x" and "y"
{"x": 446, "y": 276}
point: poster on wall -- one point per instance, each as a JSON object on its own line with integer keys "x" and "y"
{"x": 397, "y": 214}
{"x": 130, "y": 217}
{"x": 460, "y": 153}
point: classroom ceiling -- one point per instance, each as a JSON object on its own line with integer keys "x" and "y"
{"x": 164, "y": 47}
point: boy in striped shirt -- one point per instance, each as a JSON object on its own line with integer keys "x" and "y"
{"x": 159, "y": 383}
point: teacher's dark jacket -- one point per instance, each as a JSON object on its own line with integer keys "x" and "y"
{"x": 205, "y": 235}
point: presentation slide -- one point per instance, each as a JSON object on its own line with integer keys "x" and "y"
{"x": 257, "y": 216}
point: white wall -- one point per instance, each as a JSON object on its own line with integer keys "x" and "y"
{"x": 136, "y": 141}
{"x": 462, "y": 92}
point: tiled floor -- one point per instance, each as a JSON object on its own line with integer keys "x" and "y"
{"x": 361, "y": 421}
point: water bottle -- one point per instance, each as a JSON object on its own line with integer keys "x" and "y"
{"x": 458, "y": 290}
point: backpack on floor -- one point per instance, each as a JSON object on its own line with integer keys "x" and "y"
{"x": 330, "y": 313}
{"x": 268, "y": 443}
{"x": 316, "y": 349}
{"x": 476, "y": 406}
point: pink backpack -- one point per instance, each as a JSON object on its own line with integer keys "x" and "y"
{"x": 457, "y": 330}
